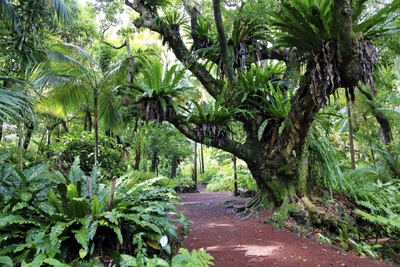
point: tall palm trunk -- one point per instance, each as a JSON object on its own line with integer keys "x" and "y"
{"x": 96, "y": 125}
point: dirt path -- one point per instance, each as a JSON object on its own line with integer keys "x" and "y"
{"x": 234, "y": 242}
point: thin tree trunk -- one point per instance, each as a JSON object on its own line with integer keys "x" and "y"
{"x": 88, "y": 121}
{"x": 235, "y": 186}
{"x": 96, "y": 126}
{"x": 368, "y": 135}
{"x": 138, "y": 153}
{"x": 29, "y": 131}
{"x": 20, "y": 142}
{"x": 224, "y": 48}
{"x": 96, "y": 134}
{"x": 201, "y": 159}
{"x": 154, "y": 163}
{"x": 195, "y": 165}
{"x": 1, "y": 130}
{"x": 174, "y": 166}
{"x": 127, "y": 99}
{"x": 138, "y": 150}
{"x": 352, "y": 158}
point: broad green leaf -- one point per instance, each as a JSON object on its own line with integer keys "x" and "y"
{"x": 111, "y": 217}
{"x": 96, "y": 208}
{"x": 7, "y": 261}
{"x": 128, "y": 260}
{"x": 83, "y": 253}
{"x": 56, "y": 263}
{"x": 117, "y": 231}
{"x": 54, "y": 201}
{"x": 72, "y": 192}
{"x": 262, "y": 128}
{"x": 57, "y": 230}
{"x": 82, "y": 236}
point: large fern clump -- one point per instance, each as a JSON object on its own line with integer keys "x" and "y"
{"x": 49, "y": 219}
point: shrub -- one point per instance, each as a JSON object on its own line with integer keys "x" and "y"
{"x": 82, "y": 145}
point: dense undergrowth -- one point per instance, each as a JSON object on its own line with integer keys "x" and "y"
{"x": 48, "y": 219}
{"x": 361, "y": 207}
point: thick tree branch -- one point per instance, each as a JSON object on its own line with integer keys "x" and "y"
{"x": 224, "y": 49}
{"x": 174, "y": 40}
{"x": 348, "y": 44}
{"x": 229, "y": 145}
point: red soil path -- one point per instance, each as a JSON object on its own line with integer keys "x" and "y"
{"x": 234, "y": 242}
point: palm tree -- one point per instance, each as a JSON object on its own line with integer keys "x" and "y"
{"x": 14, "y": 20}
{"x": 73, "y": 78}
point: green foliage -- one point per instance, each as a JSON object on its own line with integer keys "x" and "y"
{"x": 161, "y": 86}
{"x": 366, "y": 249}
{"x": 247, "y": 27}
{"x": 12, "y": 102}
{"x": 324, "y": 161}
{"x": 167, "y": 143}
{"x": 198, "y": 258}
{"x": 219, "y": 174}
{"x": 175, "y": 18}
{"x": 270, "y": 100}
{"x": 378, "y": 24}
{"x": 49, "y": 219}
{"x": 304, "y": 24}
{"x": 217, "y": 113}
{"x": 82, "y": 145}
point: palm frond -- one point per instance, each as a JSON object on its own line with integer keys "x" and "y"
{"x": 63, "y": 60}
{"x": 11, "y": 103}
{"x": 75, "y": 51}
{"x": 109, "y": 108}
{"x": 61, "y": 9}
{"x": 9, "y": 17}
{"x": 64, "y": 98}
{"x": 377, "y": 24}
